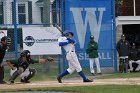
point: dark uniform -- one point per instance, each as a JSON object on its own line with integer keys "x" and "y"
{"x": 21, "y": 67}
{"x": 134, "y": 55}
{"x": 134, "y": 59}
{"x": 3, "y": 48}
{"x": 123, "y": 50}
{"x": 139, "y": 53}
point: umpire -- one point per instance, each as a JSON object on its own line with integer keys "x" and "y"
{"x": 3, "y": 48}
{"x": 123, "y": 50}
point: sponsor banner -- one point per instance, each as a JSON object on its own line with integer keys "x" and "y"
{"x": 41, "y": 40}
{"x": 91, "y": 17}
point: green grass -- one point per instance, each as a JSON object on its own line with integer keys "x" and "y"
{"x": 52, "y": 73}
{"x": 89, "y": 89}
{"x": 119, "y": 75}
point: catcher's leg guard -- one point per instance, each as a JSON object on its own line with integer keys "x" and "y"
{"x": 16, "y": 74}
{"x": 32, "y": 73}
{"x": 13, "y": 77}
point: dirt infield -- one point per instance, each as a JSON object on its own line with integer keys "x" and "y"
{"x": 42, "y": 84}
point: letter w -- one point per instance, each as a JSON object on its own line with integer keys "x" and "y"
{"x": 89, "y": 18}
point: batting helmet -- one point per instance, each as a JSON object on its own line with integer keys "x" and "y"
{"x": 65, "y": 33}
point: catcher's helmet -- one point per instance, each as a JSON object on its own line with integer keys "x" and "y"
{"x": 25, "y": 53}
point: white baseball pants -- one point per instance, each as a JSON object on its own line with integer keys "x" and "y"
{"x": 91, "y": 61}
{"x": 130, "y": 65}
{"x": 73, "y": 62}
{"x": 23, "y": 74}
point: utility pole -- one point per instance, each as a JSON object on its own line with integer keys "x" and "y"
{"x": 134, "y": 7}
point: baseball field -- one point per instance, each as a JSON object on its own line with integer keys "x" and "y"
{"x": 105, "y": 83}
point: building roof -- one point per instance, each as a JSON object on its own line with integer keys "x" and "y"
{"x": 39, "y": 1}
{"x": 123, "y": 20}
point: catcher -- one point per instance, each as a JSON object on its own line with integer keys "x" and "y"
{"x": 20, "y": 67}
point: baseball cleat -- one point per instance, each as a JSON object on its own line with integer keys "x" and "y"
{"x": 87, "y": 80}
{"x": 99, "y": 73}
{"x": 59, "y": 79}
{"x": 10, "y": 82}
{"x": 24, "y": 81}
{"x": 2, "y": 82}
{"x": 92, "y": 74}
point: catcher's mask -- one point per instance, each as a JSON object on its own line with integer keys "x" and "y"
{"x": 25, "y": 53}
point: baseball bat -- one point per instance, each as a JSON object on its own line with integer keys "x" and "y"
{"x": 59, "y": 28}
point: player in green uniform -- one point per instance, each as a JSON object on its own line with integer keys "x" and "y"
{"x": 20, "y": 67}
